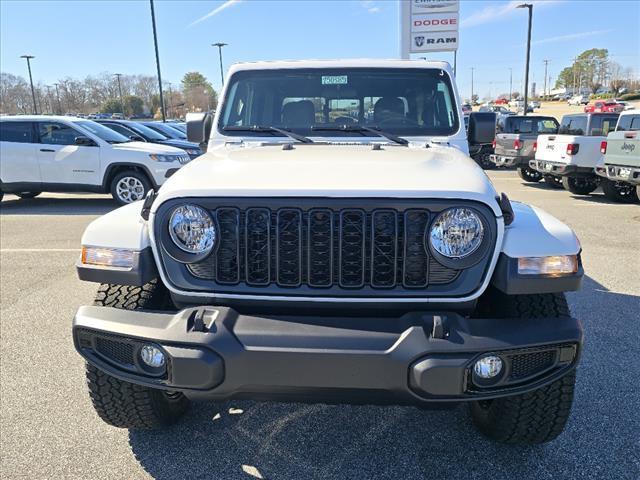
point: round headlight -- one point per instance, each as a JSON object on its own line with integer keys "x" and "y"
{"x": 456, "y": 233}
{"x": 192, "y": 229}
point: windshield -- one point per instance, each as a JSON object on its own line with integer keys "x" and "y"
{"x": 410, "y": 102}
{"x": 167, "y": 130}
{"x": 102, "y": 132}
{"x": 146, "y": 132}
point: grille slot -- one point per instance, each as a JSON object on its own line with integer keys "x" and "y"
{"x": 116, "y": 351}
{"x": 526, "y": 364}
{"x": 323, "y": 248}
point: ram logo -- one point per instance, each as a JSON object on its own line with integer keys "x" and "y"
{"x": 419, "y": 41}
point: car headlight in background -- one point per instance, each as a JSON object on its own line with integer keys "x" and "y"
{"x": 456, "y": 233}
{"x": 192, "y": 229}
{"x": 157, "y": 157}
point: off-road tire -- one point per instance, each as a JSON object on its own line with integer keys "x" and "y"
{"x": 619, "y": 191}
{"x": 538, "y": 416}
{"x": 552, "y": 181}
{"x": 26, "y": 195}
{"x": 135, "y": 175}
{"x": 578, "y": 185}
{"x": 529, "y": 175}
{"x": 123, "y": 404}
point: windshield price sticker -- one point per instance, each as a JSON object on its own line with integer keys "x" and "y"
{"x": 334, "y": 80}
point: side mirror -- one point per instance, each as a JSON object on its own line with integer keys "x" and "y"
{"x": 84, "y": 142}
{"x": 482, "y": 127}
{"x": 199, "y": 128}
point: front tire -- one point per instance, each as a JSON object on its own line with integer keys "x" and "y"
{"x": 529, "y": 175}
{"x": 129, "y": 186}
{"x": 552, "y": 181}
{"x": 620, "y": 192}
{"x": 579, "y": 185}
{"x": 123, "y": 404}
{"x": 538, "y": 416}
{"x": 26, "y": 195}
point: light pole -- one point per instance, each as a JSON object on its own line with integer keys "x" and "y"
{"x": 472, "y": 69}
{"x": 155, "y": 42}
{"x": 526, "y": 69}
{"x": 170, "y": 108}
{"x": 58, "y": 98}
{"x": 220, "y": 45}
{"x": 33, "y": 92}
{"x": 118, "y": 75}
{"x": 546, "y": 62}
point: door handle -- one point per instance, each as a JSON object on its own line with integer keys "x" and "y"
{"x": 46, "y": 150}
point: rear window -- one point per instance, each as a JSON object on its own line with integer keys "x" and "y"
{"x": 531, "y": 125}
{"x": 628, "y": 123}
{"x": 601, "y": 125}
{"x": 573, "y": 125}
{"x": 17, "y": 132}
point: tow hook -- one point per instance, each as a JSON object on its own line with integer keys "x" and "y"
{"x": 202, "y": 320}
{"x": 438, "y": 329}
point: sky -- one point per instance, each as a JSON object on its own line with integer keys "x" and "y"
{"x": 80, "y": 38}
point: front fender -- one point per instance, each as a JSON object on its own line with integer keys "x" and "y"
{"x": 122, "y": 229}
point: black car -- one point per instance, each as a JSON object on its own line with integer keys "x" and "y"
{"x": 140, "y": 132}
{"x": 167, "y": 129}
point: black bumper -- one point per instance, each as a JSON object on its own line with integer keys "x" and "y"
{"x": 560, "y": 169}
{"x": 419, "y": 358}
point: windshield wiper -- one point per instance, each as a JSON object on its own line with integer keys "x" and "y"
{"x": 268, "y": 129}
{"x": 362, "y": 129}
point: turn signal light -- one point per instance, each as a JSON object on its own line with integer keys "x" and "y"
{"x": 572, "y": 148}
{"x": 107, "y": 257}
{"x": 603, "y": 147}
{"x": 552, "y": 266}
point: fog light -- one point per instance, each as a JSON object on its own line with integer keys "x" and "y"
{"x": 152, "y": 356}
{"x": 488, "y": 367}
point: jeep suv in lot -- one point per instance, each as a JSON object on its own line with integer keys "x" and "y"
{"x": 514, "y": 145}
{"x": 568, "y": 159}
{"x": 620, "y": 163}
{"x": 321, "y": 253}
{"x": 67, "y": 154}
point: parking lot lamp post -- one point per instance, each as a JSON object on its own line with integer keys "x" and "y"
{"x": 58, "y": 98}
{"x": 33, "y": 92}
{"x": 155, "y": 42}
{"x": 526, "y": 68}
{"x": 118, "y": 75}
{"x": 220, "y": 45}
{"x": 510, "y": 82}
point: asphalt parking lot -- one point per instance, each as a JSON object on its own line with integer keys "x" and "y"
{"x": 49, "y": 429}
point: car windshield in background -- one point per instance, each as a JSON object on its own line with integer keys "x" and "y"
{"x": 167, "y": 130}
{"x": 101, "y": 131}
{"x": 146, "y": 132}
{"x": 314, "y": 102}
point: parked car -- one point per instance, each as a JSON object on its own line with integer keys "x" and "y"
{"x": 501, "y": 101}
{"x": 620, "y": 165}
{"x": 626, "y": 105}
{"x": 466, "y": 108}
{"x": 514, "y": 146}
{"x": 169, "y": 130}
{"x": 67, "y": 154}
{"x": 117, "y": 116}
{"x": 604, "y": 106}
{"x": 569, "y": 158}
{"x": 310, "y": 257}
{"x": 578, "y": 100}
{"x": 534, "y": 104}
{"x": 140, "y": 132}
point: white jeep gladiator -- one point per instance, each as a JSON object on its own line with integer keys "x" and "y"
{"x": 568, "y": 159}
{"x": 619, "y": 165}
{"x": 335, "y": 244}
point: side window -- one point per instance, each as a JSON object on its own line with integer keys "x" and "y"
{"x": 16, "y": 132}
{"x": 51, "y": 133}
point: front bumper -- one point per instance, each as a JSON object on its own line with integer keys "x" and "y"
{"x": 418, "y": 358}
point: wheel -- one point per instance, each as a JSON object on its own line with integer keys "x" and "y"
{"x": 552, "y": 181}
{"x": 528, "y": 174}
{"x": 621, "y": 192}
{"x": 579, "y": 185}
{"x": 129, "y": 186}
{"x": 123, "y": 404}
{"x": 538, "y": 416}
{"x": 25, "y": 195}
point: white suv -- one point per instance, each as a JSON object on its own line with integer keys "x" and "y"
{"x": 66, "y": 154}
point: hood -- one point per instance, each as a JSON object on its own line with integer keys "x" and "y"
{"x": 148, "y": 148}
{"x": 333, "y": 171}
{"x": 180, "y": 144}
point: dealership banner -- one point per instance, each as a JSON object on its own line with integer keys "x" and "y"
{"x": 428, "y": 26}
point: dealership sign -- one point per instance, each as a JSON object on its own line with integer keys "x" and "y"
{"x": 428, "y": 26}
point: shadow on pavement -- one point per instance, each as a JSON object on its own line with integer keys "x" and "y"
{"x": 246, "y": 439}
{"x": 57, "y": 206}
